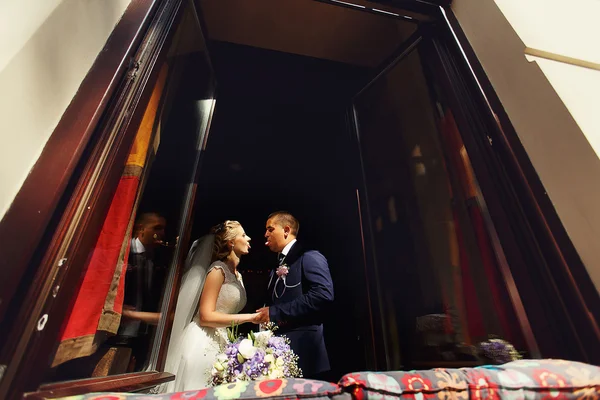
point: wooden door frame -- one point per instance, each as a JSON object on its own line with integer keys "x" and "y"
{"x": 566, "y": 282}
{"x": 563, "y": 290}
{"x": 54, "y": 222}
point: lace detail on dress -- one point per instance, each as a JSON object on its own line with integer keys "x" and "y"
{"x": 232, "y": 297}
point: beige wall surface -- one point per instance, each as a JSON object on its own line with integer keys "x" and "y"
{"x": 46, "y": 49}
{"x": 552, "y": 105}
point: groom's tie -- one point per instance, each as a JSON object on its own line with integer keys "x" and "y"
{"x": 280, "y": 258}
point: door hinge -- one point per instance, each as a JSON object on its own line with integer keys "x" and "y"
{"x": 134, "y": 67}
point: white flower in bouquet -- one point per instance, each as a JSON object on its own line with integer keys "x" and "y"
{"x": 269, "y": 359}
{"x": 247, "y": 349}
{"x": 261, "y": 339}
{"x": 221, "y": 362}
{"x": 275, "y": 373}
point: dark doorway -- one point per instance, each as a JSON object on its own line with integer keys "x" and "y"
{"x": 280, "y": 139}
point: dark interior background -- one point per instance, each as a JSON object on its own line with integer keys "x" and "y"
{"x": 280, "y": 140}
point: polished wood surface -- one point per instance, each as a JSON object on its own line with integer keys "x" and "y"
{"x": 118, "y": 383}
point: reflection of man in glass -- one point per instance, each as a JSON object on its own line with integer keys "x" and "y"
{"x": 143, "y": 286}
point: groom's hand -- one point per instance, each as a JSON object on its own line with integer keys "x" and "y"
{"x": 263, "y": 315}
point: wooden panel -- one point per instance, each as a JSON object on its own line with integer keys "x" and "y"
{"x": 306, "y": 28}
{"x": 118, "y": 383}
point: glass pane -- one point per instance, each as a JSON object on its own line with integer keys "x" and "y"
{"x": 441, "y": 288}
{"x": 118, "y": 317}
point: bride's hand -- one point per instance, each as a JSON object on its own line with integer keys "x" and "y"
{"x": 263, "y": 313}
{"x": 256, "y": 318}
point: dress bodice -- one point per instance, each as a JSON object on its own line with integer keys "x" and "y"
{"x": 196, "y": 349}
{"x": 232, "y": 296}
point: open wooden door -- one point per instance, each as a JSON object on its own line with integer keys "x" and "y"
{"x": 460, "y": 243}
{"x": 438, "y": 276}
{"x": 125, "y": 159}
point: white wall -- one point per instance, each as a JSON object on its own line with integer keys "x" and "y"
{"x": 46, "y": 49}
{"x": 552, "y": 105}
{"x": 544, "y": 25}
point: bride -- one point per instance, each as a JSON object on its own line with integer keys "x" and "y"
{"x": 212, "y": 293}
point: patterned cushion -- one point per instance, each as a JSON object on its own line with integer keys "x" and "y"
{"x": 524, "y": 379}
{"x": 275, "y": 388}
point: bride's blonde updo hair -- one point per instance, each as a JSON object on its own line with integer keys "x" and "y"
{"x": 224, "y": 232}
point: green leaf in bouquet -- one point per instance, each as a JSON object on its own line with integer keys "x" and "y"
{"x": 232, "y": 332}
{"x": 240, "y": 358}
{"x": 251, "y": 336}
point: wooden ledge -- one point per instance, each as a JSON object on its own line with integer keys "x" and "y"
{"x": 116, "y": 383}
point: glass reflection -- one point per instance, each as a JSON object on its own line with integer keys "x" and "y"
{"x": 117, "y": 318}
{"x": 441, "y": 289}
{"x": 146, "y": 270}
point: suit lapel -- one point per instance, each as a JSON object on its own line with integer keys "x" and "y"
{"x": 291, "y": 257}
{"x": 294, "y": 253}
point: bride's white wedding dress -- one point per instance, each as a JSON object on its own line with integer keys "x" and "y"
{"x": 201, "y": 344}
{"x": 193, "y": 353}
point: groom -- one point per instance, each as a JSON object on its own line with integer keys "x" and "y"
{"x": 298, "y": 291}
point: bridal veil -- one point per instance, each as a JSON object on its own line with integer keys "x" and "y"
{"x": 194, "y": 275}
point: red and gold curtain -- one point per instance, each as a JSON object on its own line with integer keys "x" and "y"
{"x": 495, "y": 286}
{"x": 96, "y": 314}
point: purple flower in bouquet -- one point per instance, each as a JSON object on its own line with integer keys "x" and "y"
{"x": 278, "y": 345}
{"x": 260, "y": 356}
{"x": 232, "y": 348}
{"x": 254, "y": 367}
{"x": 499, "y": 351}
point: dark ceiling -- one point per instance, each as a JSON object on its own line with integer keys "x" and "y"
{"x": 306, "y": 27}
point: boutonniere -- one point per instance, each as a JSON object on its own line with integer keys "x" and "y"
{"x": 282, "y": 271}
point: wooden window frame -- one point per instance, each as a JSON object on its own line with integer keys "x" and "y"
{"x": 57, "y": 215}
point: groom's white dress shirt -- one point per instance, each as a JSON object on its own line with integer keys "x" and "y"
{"x": 287, "y": 248}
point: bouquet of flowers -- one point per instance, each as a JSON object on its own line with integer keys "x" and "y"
{"x": 498, "y": 351}
{"x": 259, "y": 356}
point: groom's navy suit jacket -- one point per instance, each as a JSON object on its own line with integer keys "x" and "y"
{"x": 298, "y": 310}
